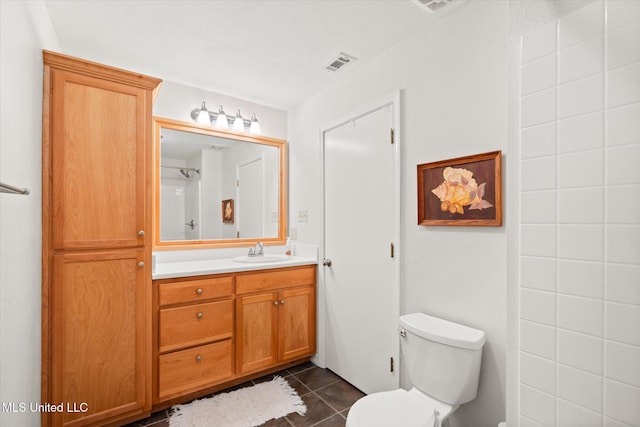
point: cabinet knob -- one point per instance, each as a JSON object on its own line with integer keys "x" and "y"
{"x": 141, "y": 264}
{"x": 200, "y": 315}
{"x": 275, "y": 303}
{"x": 281, "y": 302}
{"x": 198, "y": 358}
{"x": 140, "y": 232}
{"x": 199, "y": 291}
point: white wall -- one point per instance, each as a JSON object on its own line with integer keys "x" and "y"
{"x": 453, "y": 78}
{"x": 580, "y": 219}
{"x": 25, "y": 29}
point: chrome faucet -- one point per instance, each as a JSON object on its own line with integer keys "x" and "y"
{"x": 258, "y": 250}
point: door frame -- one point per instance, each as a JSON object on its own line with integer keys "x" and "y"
{"x": 391, "y": 99}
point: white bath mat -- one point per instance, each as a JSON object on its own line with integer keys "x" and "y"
{"x": 247, "y": 407}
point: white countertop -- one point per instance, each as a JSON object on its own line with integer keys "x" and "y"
{"x": 167, "y": 270}
{"x": 198, "y": 262}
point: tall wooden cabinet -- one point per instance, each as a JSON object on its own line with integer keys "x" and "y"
{"x": 96, "y": 288}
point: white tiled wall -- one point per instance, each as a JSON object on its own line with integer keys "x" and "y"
{"x": 580, "y": 219}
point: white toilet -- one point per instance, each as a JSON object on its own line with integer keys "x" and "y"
{"x": 443, "y": 361}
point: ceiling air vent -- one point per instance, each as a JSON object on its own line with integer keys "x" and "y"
{"x": 342, "y": 60}
{"x": 432, "y": 5}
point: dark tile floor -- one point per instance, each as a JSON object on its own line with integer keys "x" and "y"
{"x": 327, "y": 396}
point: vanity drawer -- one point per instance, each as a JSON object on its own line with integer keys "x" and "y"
{"x": 263, "y": 281}
{"x": 194, "y": 369}
{"x": 195, "y": 290}
{"x": 195, "y": 324}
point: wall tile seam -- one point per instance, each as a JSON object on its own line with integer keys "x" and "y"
{"x": 579, "y": 80}
{"x": 605, "y": 261}
{"x": 598, "y": 299}
{"x": 621, "y": 107}
{"x": 581, "y": 115}
{"x": 565, "y": 329}
{"x": 593, "y": 411}
{"x": 624, "y": 264}
{"x": 618, "y": 381}
{"x": 523, "y": 382}
{"x": 613, "y": 380}
{"x": 530, "y": 420}
{"x": 538, "y": 157}
{"x": 626, "y": 305}
{"x": 584, "y": 77}
{"x": 581, "y": 370}
{"x": 537, "y": 356}
{"x": 625, "y": 65}
{"x": 544, "y": 257}
{"x": 625, "y": 145}
{"x": 611, "y": 30}
{"x": 540, "y": 290}
{"x": 537, "y": 91}
{"x": 535, "y": 124}
{"x": 610, "y": 418}
{"x": 552, "y": 395}
{"x": 535, "y": 322}
{"x": 537, "y": 58}
{"x": 581, "y": 150}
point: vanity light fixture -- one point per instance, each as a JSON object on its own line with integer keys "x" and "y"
{"x": 255, "y": 124}
{"x": 202, "y": 116}
{"x": 238, "y": 122}
{"x": 221, "y": 120}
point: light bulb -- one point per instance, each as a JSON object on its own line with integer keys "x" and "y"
{"x": 255, "y": 124}
{"x": 238, "y": 123}
{"x": 222, "y": 121}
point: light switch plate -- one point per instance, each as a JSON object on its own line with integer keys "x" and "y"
{"x": 303, "y": 216}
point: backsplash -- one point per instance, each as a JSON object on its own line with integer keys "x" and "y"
{"x": 580, "y": 219}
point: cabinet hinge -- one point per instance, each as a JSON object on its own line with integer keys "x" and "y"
{"x": 237, "y": 183}
{"x": 391, "y": 364}
{"x": 393, "y": 251}
{"x": 392, "y": 136}
{"x": 237, "y": 234}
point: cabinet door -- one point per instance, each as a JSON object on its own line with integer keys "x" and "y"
{"x": 296, "y": 323}
{"x": 256, "y": 332}
{"x": 98, "y": 138}
{"x": 101, "y": 334}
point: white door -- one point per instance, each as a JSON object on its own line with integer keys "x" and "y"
{"x": 361, "y": 307}
{"x": 250, "y": 208}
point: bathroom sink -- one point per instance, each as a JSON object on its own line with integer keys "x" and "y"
{"x": 261, "y": 259}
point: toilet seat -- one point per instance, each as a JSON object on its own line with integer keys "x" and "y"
{"x": 397, "y": 407}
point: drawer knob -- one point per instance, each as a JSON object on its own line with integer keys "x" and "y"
{"x": 282, "y": 302}
{"x": 140, "y": 232}
{"x": 198, "y": 358}
{"x": 275, "y": 303}
{"x": 199, "y": 291}
{"x": 199, "y": 315}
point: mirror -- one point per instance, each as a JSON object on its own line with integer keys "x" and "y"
{"x": 217, "y": 188}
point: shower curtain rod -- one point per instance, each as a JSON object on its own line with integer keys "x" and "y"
{"x": 6, "y": 188}
{"x": 183, "y": 169}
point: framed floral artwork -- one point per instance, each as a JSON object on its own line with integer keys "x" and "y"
{"x": 463, "y": 191}
{"x": 227, "y": 211}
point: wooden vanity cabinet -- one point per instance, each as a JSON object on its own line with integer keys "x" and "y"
{"x": 278, "y": 325}
{"x": 218, "y": 329}
{"x": 194, "y": 334}
{"x": 96, "y": 286}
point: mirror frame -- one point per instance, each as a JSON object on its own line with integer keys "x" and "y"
{"x": 158, "y": 124}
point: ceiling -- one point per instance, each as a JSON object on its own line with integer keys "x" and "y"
{"x": 271, "y": 52}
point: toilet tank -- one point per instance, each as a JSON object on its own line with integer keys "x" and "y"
{"x": 442, "y": 357}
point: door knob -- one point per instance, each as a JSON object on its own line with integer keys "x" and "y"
{"x": 326, "y": 262}
{"x": 141, "y": 264}
{"x": 141, "y": 233}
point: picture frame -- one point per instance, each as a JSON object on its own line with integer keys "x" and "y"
{"x": 464, "y": 191}
{"x": 228, "y": 211}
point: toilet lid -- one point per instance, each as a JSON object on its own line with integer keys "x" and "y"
{"x": 391, "y": 408}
